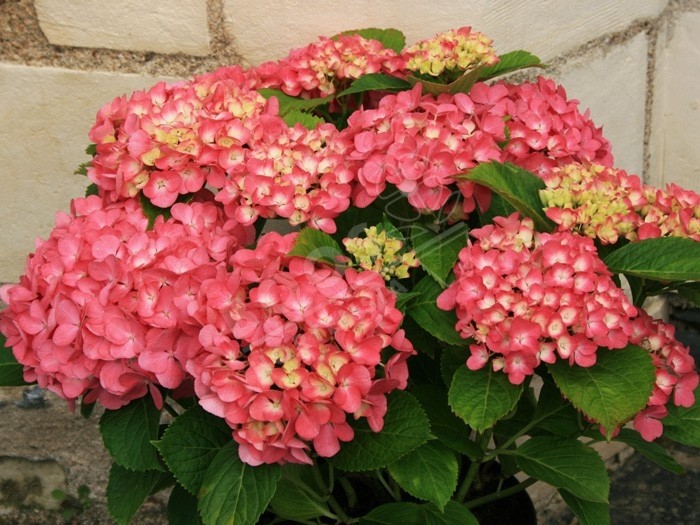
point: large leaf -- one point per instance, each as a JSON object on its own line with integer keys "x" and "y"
{"x": 437, "y": 252}
{"x": 517, "y": 186}
{"x": 190, "y": 444}
{"x": 554, "y": 413}
{"x": 407, "y": 513}
{"x": 309, "y": 121}
{"x": 233, "y": 492}
{"x": 482, "y": 397}
{"x": 565, "y": 464}
{"x": 461, "y": 84}
{"x": 389, "y": 38}
{"x": 288, "y": 103}
{"x": 650, "y": 450}
{"x": 509, "y": 62}
{"x": 127, "y": 490}
{"x": 182, "y": 507}
{"x": 128, "y": 432}
{"x": 664, "y": 259}
{"x": 295, "y": 501}
{"x": 375, "y": 82}
{"x": 10, "y": 370}
{"x": 315, "y": 245}
{"x": 587, "y": 512}
{"x": 424, "y": 311}
{"x": 683, "y": 424}
{"x": 428, "y": 473}
{"x": 613, "y": 390}
{"x": 406, "y": 428}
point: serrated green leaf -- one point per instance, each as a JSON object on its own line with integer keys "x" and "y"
{"x": 406, "y": 428}
{"x": 295, "y": 116}
{"x": 424, "y": 311}
{"x": 565, "y": 464}
{"x": 190, "y": 443}
{"x": 587, "y": 512}
{"x": 375, "y": 82}
{"x": 428, "y": 473}
{"x": 690, "y": 292}
{"x": 316, "y": 245}
{"x": 461, "y": 84}
{"x": 233, "y": 492}
{"x": 91, "y": 149}
{"x": 517, "y": 186}
{"x": 407, "y": 513}
{"x": 482, "y": 397}
{"x": 650, "y": 450}
{"x": 10, "y": 370}
{"x": 353, "y": 221}
{"x": 391, "y": 231}
{"x": 82, "y": 168}
{"x": 151, "y": 211}
{"x": 509, "y": 62}
{"x": 127, "y": 433}
{"x": 444, "y": 424}
{"x": 437, "y": 252}
{"x": 664, "y": 259}
{"x": 683, "y": 424}
{"x": 182, "y": 507}
{"x": 127, "y": 490}
{"x": 498, "y": 207}
{"x": 390, "y": 38}
{"x": 296, "y": 502}
{"x": 554, "y": 413}
{"x": 403, "y": 299}
{"x": 288, "y": 103}
{"x": 613, "y": 390}
{"x": 92, "y": 189}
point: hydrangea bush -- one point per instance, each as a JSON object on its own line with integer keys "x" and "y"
{"x": 362, "y": 270}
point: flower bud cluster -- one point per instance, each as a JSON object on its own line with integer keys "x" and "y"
{"x": 292, "y": 347}
{"x": 380, "y": 253}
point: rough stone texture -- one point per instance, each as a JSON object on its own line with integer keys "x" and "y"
{"x": 26, "y": 482}
{"x": 166, "y": 26}
{"x": 46, "y": 114}
{"x": 612, "y": 84}
{"x": 547, "y": 27}
{"x": 675, "y": 148}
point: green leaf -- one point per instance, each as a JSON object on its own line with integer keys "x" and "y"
{"x": 403, "y": 299}
{"x": 517, "y": 186}
{"x": 460, "y": 85}
{"x": 509, "y": 62}
{"x": 127, "y": 433}
{"x": 452, "y": 359}
{"x": 587, "y": 512}
{"x": 316, "y": 245}
{"x": 683, "y": 424}
{"x": 91, "y": 150}
{"x": 233, "y": 492}
{"x": 82, "y": 168}
{"x": 151, "y": 211}
{"x": 482, "y": 397}
{"x": 182, "y": 507}
{"x": 448, "y": 428}
{"x": 406, "y": 428}
{"x": 353, "y": 221}
{"x": 554, "y": 413}
{"x": 428, "y": 473}
{"x": 565, "y": 464}
{"x": 406, "y": 513}
{"x": 10, "y": 370}
{"x": 190, "y": 443}
{"x": 375, "y": 82}
{"x": 690, "y": 292}
{"x": 297, "y": 502}
{"x": 498, "y": 207}
{"x": 309, "y": 121}
{"x": 650, "y": 450}
{"x": 92, "y": 189}
{"x": 437, "y": 252}
{"x": 389, "y": 38}
{"x": 613, "y": 390}
{"x": 424, "y": 311}
{"x": 127, "y": 490}
{"x": 662, "y": 259}
{"x": 288, "y": 103}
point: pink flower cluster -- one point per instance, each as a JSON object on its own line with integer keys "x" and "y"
{"x": 421, "y": 143}
{"x": 526, "y": 298}
{"x": 109, "y": 309}
{"x": 291, "y": 348}
{"x": 607, "y": 203}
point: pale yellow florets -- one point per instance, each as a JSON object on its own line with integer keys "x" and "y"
{"x": 455, "y": 50}
{"x": 379, "y": 253}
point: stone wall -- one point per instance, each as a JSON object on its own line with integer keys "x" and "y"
{"x": 634, "y": 63}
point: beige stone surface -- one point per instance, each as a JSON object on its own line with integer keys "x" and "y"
{"x": 45, "y": 115}
{"x": 30, "y": 482}
{"x": 612, "y": 84}
{"x": 675, "y": 143}
{"x": 165, "y": 26}
{"x": 267, "y": 29}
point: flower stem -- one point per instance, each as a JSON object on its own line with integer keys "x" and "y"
{"x": 500, "y": 494}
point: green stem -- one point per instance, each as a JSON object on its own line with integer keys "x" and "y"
{"x": 335, "y": 506}
{"x": 468, "y": 480}
{"x": 387, "y": 487}
{"x": 500, "y": 494}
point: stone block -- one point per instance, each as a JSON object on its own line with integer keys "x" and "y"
{"x": 166, "y": 26}
{"x": 547, "y": 28}
{"x": 45, "y": 114}
{"x": 612, "y": 84}
{"x": 27, "y": 483}
{"x": 675, "y": 147}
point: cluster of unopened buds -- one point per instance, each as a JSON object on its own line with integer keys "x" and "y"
{"x": 379, "y": 252}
